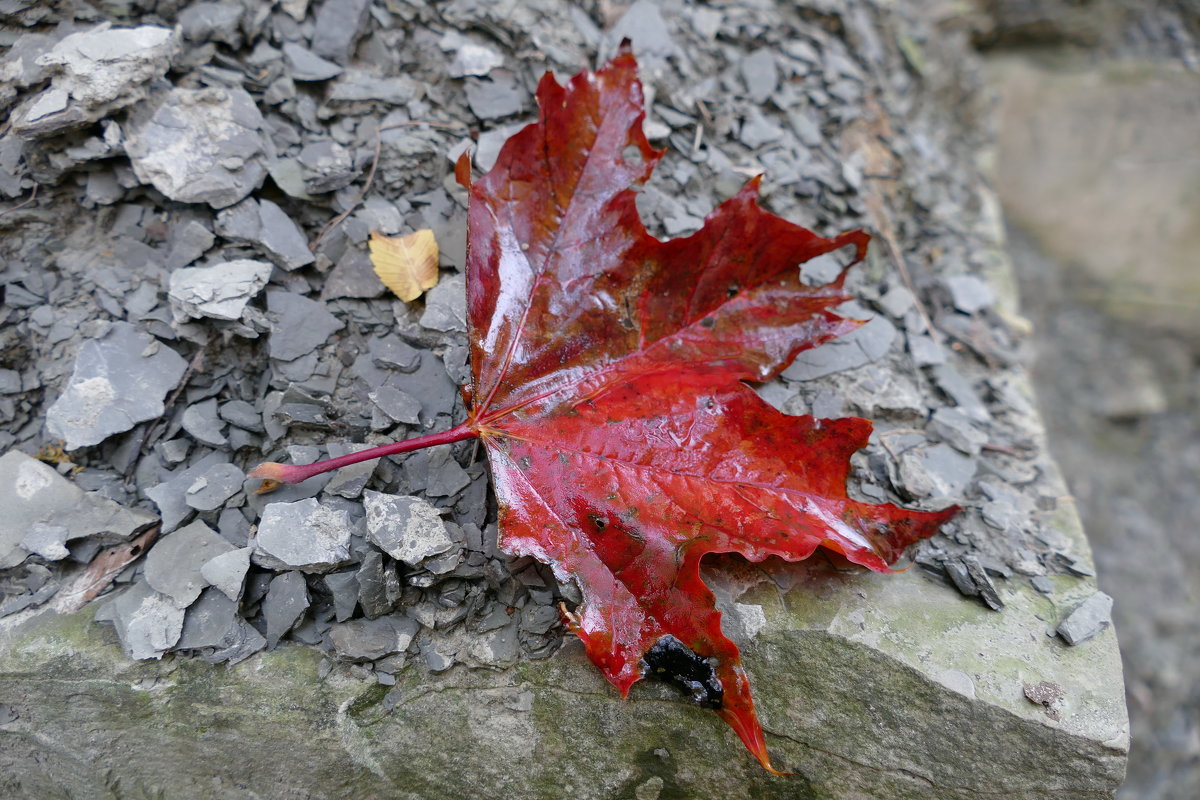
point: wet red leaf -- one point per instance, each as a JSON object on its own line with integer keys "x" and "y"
{"x": 608, "y": 371}
{"x": 608, "y": 388}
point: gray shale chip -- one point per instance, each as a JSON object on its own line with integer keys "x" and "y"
{"x": 304, "y": 535}
{"x": 119, "y": 380}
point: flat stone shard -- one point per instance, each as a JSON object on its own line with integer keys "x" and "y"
{"x": 227, "y": 571}
{"x": 220, "y": 291}
{"x": 286, "y": 601}
{"x": 214, "y": 487}
{"x": 147, "y": 623}
{"x": 173, "y": 565}
{"x": 44, "y": 510}
{"x": 199, "y": 146}
{"x": 119, "y": 380}
{"x": 1088, "y": 619}
{"x": 304, "y": 535}
{"x": 406, "y": 528}
{"x": 95, "y": 73}
{"x": 371, "y": 639}
{"x": 265, "y": 225}
{"x": 299, "y": 326}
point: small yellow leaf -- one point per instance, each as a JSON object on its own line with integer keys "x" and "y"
{"x": 408, "y": 265}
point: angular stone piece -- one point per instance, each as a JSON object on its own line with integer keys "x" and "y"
{"x": 305, "y": 65}
{"x": 286, "y": 601}
{"x": 265, "y": 225}
{"x": 174, "y": 562}
{"x": 214, "y": 486}
{"x": 337, "y": 26}
{"x": 220, "y": 291}
{"x": 119, "y": 380}
{"x": 37, "y": 500}
{"x": 203, "y": 424}
{"x": 1088, "y": 619}
{"x": 299, "y": 326}
{"x": 349, "y": 481}
{"x": 304, "y": 535}
{"x": 95, "y": 72}
{"x": 496, "y": 96}
{"x": 199, "y": 146}
{"x": 344, "y": 588}
{"x": 207, "y": 621}
{"x": 227, "y": 571}
{"x": 369, "y": 639}
{"x": 936, "y": 471}
{"x": 406, "y": 528}
{"x": 147, "y": 623}
{"x": 400, "y": 406}
{"x": 761, "y": 74}
{"x": 860, "y": 346}
{"x": 970, "y": 293}
{"x": 171, "y": 495}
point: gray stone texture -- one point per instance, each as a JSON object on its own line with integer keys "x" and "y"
{"x": 304, "y": 535}
{"x": 220, "y": 291}
{"x": 120, "y": 379}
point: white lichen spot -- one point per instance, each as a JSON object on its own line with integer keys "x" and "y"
{"x": 33, "y": 477}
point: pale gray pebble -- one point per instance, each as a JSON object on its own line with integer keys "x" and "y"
{"x": 337, "y": 26}
{"x": 936, "y": 471}
{"x": 48, "y": 510}
{"x": 487, "y": 150}
{"x": 188, "y": 243}
{"x": 203, "y": 424}
{"x": 174, "y": 562}
{"x": 305, "y": 65}
{"x": 227, "y": 571}
{"x": 1087, "y": 620}
{"x": 471, "y": 57}
{"x": 897, "y": 301}
{"x": 406, "y": 528}
{"x": 304, "y": 535}
{"x": 761, "y": 74}
{"x": 147, "y": 623}
{"x": 169, "y": 495}
{"x": 285, "y": 603}
{"x": 207, "y": 621}
{"x": 326, "y": 166}
{"x": 299, "y": 325}
{"x": 956, "y": 429}
{"x": 214, "y": 487}
{"x": 266, "y": 226}
{"x": 392, "y": 352}
{"x": 120, "y": 379}
{"x": 371, "y": 639}
{"x": 970, "y": 293}
{"x": 220, "y": 291}
{"x": 446, "y": 477}
{"x": 446, "y": 305}
{"x": 343, "y": 587}
{"x": 241, "y": 414}
{"x": 1042, "y": 584}
{"x": 215, "y": 22}
{"x": 496, "y": 96}
{"x": 400, "y": 406}
{"x": 925, "y": 351}
{"x": 199, "y": 145}
{"x": 960, "y": 390}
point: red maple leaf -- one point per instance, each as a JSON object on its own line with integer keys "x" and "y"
{"x": 608, "y": 373}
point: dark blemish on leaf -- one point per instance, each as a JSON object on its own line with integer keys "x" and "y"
{"x": 600, "y": 522}
{"x": 671, "y": 661}
{"x": 708, "y": 322}
{"x": 732, "y": 290}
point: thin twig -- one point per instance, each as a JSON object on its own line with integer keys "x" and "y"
{"x": 27, "y": 201}
{"x": 340, "y": 218}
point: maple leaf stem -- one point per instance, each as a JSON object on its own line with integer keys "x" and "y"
{"x": 274, "y": 474}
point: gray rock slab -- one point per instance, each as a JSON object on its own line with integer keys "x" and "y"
{"x": 399, "y": 405}
{"x": 760, "y": 73}
{"x": 171, "y": 495}
{"x": 43, "y": 509}
{"x": 497, "y": 96}
{"x": 304, "y": 535}
{"x": 1088, "y": 620}
{"x": 204, "y": 424}
{"x": 338, "y": 23}
{"x": 970, "y": 293}
{"x": 173, "y": 565}
{"x": 406, "y": 528}
{"x": 265, "y": 225}
{"x": 446, "y": 305}
{"x": 147, "y": 623}
{"x": 370, "y": 639}
{"x": 227, "y": 571}
{"x": 861, "y": 346}
{"x": 343, "y": 586}
{"x": 349, "y": 481}
{"x": 207, "y": 621}
{"x": 937, "y": 472}
{"x": 119, "y": 380}
{"x": 95, "y": 73}
{"x": 305, "y": 65}
{"x": 471, "y": 57}
{"x": 188, "y": 242}
{"x": 285, "y": 603}
{"x": 199, "y": 145}
{"x": 214, "y": 487}
{"x": 298, "y": 325}
{"x": 220, "y": 291}
{"x": 378, "y": 584}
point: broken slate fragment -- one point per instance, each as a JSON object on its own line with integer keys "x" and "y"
{"x": 170, "y": 495}
{"x": 969, "y": 293}
{"x": 305, "y": 65}
{"x": 286, "y": 601}
{"x": 446, "y": 477}
{"x": 299, "y": 325}
{"x": 1090, "y": 618}
{"x": 265, "y": 225}
{"x": 371, "y": 639}
{"x": 857, "y": 348}
{"x": 761, "y": 74}
{"x": 349, "y": 481}
{"x": 220, "y": 291}
{"x": 214, "y": 487}
{"x": 199, "y": 145}
{"x": 227, "y": 571}
{"x": 496, "y": 96}
{"x": 446, "y": 305}
{"x": 207, "y": 621}
{"x": 937, "y": 471}
{"x": 173, "y": 564}
{"x": 304, "y": 535}
{"x": 400, "y": 406}
{"x": 119, "y": 380}
{"x": 39, "y": 502}
{"x": 147, "y": 623}
{"x": 338, "y": 23}
{"x": 343, "y": 586}
{"x": 406, "y": 528}
{"x": 95, "y": 72}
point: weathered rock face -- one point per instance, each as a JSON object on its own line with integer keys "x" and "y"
{"x": 868, "y": 686}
